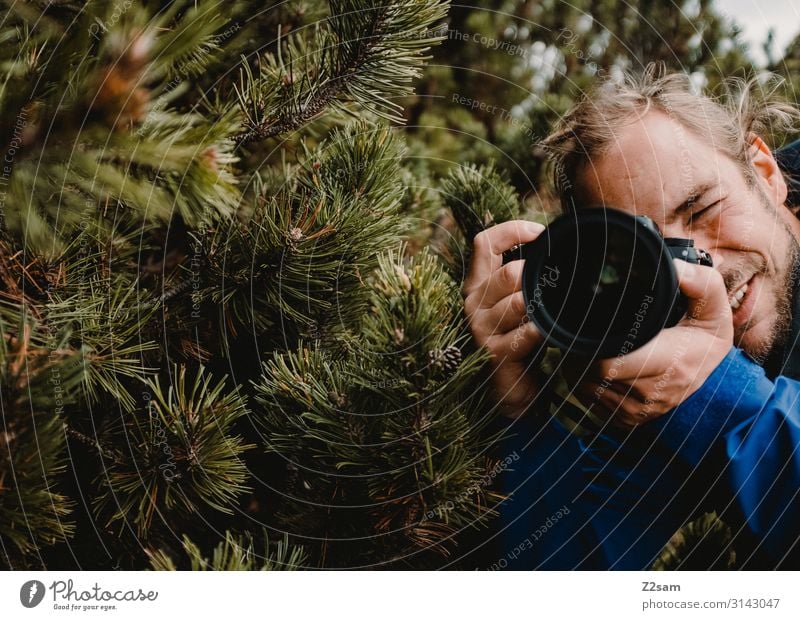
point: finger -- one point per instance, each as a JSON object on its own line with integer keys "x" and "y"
{"x": 706, "y": 292}
{"x": 708, "y": 308}
{"x": 647, "y": 362}
{"x": 629, "y": 407}
{"x": 599, "y": 403}
{"x": 515, "y": 388}
{"x": 506, "y": 314}
{"x": 627, "y": 375}
{"x": 518, "y": 344}
{"x": 606, "y": 393}
{"x": 502, "y": 282}
{"x": 625, "y": 411}
{"x": 489, "y": 245}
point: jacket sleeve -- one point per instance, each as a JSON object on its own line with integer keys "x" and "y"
{"x": 752, "y": 426}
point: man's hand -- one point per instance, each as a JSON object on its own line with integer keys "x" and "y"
{"x": 495, "y": 310}
{"x": 667, "y": 370}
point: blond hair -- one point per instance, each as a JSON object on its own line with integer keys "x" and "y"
{"x": 726, "y": 122}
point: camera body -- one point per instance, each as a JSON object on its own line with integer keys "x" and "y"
{"x": 600, "y": 282}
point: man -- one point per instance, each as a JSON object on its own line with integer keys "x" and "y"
{"x": 721, "y": 433}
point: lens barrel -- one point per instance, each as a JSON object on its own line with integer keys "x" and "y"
{"x": 600, "y": 282}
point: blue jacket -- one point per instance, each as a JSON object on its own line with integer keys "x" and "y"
{"x": 612, "y": 501}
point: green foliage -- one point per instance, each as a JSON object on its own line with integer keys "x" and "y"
{"x": 228, "y": 273}
{"x": 478, "y": 197}
{"x": 99, "y": 302}
{"x": 80, "y": 123}
{"x": 232, "y": 553}
{"x": 375, "y": 435}
{"x": 366, "y": 52}
{"x": 182, "y": 455}
{"x": 703, "y": 544}
{"x": 38, "y": 378}
{"x": 309, "y": 241}
{"x": 145, "y": 224}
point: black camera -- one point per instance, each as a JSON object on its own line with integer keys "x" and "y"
{"x": 601, "y": 282}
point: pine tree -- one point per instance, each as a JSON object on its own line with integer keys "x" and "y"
{"x": 220, "y": 346}
{"x": 231, "y": 334}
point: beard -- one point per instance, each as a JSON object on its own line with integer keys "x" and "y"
{"x": 779, "y": 346}
{"x": 770, "y": 350}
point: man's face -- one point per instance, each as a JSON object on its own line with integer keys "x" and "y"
{"x": 659, "y": 169}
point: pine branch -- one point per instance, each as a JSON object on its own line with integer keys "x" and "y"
{"x": 374, "y": 435}
{"x": 478, "y": 197}
{"x": 367, "y": 53}
{"x": 702, "y": 544}
{"x": 95, "y": 445}
{"x": 233, "y": 553}
{"x": 103, "y": 143}
{"x": 307, "y": 246}
{"x": 183, "y": 454}
{"x": 100, "y": 301}
{"x": 323, "y": 96}
{"x": 39, "y": 376}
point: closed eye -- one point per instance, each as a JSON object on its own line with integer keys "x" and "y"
{"x": 693, "y": 217}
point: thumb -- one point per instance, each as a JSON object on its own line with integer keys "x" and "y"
{"x": 705, "y": 290}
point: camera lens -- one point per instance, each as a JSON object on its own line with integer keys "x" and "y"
{"x": 599, "y": 281}
{"x": 606, "y": 286}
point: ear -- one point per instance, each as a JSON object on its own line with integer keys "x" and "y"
{"x": 767, "y": 170}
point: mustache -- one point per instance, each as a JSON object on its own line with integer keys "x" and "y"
{"x": 745, "y": 269}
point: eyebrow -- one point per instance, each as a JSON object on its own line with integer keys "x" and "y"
{"x": 694, "y": 196}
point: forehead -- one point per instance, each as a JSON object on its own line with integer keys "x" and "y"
{"x": 651, "y": 166}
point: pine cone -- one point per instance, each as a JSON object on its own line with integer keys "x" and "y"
{"x": 447, "y": 360}
{"x": 452, "y": 358}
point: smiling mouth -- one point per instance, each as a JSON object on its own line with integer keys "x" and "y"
{"x": 736, "y": 297}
